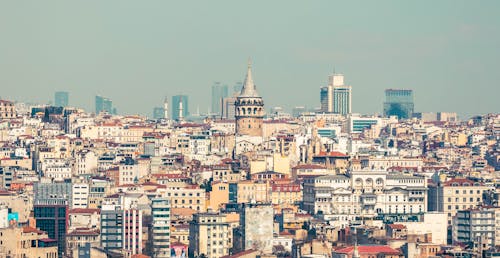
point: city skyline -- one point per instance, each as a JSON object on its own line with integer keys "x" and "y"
{"x": 227, "y": 129}
{"x": 438, "y": 52}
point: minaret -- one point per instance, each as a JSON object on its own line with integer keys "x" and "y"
{"x": 355, "y": 253}
{"x": 249, "y": 108}
{"x": 181, "y": 109}
{"x": 165, "y": 108}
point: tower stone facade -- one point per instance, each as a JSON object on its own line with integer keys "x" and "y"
{"x": 249, "y": 108}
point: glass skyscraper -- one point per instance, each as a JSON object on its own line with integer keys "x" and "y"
{"x": 175, "y": 104}
{"x": 219, "y": 92}
{"x": 342, "y": 100}
{"x": 61, "y": 99}
{"x": 398, "y": 102}
{"x": 103, "y": 104}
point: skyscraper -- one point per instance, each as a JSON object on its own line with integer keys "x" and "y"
{"x": 103, "y": 104}
{"x": 158, "y": 113}
{"x": 61, "y": 98}
{"x": 323, "y": 97}
{"x": 398, "y": 102}
{"x": 249, "y": 108}
{"x": 237, "y": 87}
{"x": 336, "y": 97}
{"x": 228, "y": 107}
{"x": 176, "y": 106}
{"x": 219, "y": 92}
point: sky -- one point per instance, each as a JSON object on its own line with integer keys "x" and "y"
{"x": 138, "y": 52}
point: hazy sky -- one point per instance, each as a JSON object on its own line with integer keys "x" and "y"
{"x": 138, "y": 52}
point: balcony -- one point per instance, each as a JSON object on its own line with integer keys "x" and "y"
{"x": 368, "y": 199}
{"x": 323, "y": 195}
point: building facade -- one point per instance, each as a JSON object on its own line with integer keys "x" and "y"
{"x": 179, "y": 106}
{"x": 477, "y": 226}
{"x": 51, "y": 216}
{"x": 219, "y": 92}
{"x": 209, "y": 234}
{"x": 61, "y": 98}
{"x": 103, "y": 104}
{"x": 398, "y": 102}
{"x": 256, "y": 222}
{"x": 160, "y": 237}
{"x": 7, "y": 109}
{"x": 366, "y": 194}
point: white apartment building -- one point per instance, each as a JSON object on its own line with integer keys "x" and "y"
{"x": 366, "y": 193}
{"x": 80, "y": 195}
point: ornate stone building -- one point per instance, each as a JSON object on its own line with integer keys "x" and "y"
{"x": 249, "y": 108}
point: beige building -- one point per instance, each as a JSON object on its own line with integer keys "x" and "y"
{"x": 26, "y": 242}
{"x": 253, "y": 192}
{"x": 209, "y": 235}
{"x": 191, "y": 197}
{"x": 286, "y": 193}
{"x": 218, "y": 196}
{"x": 454, "y": 195}
{"x": 79, "y": 237}
{"x": 7, "y": 109}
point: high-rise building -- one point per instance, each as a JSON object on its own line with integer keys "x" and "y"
{"x": 165, "y": 108}
{"x": 61, "y": 98}
{"x": 324, "y": 101}
{"x": 209, "y": 235}
{"x": 228, "y": 107}
{"x": 398, "y": 102}
{"x": 237, "y": 87}
{"x": 158, "y": 113}
{"x": 132, "y": 229}
{"x": 51, "y": 216}
{"x": 121, "y": 228}
{"x": 179, "y": 103}
{"x": 219, "y": 92}
{"x": 249, "y": 108}
{"x": 336, "y": 97}
{"x": 103, "y": 104}
{"x": 160, "y": 237}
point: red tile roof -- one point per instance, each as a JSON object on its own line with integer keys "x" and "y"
{"x": 397, "y": 226}
{"x": 85, "y": 211}
{"x": 460, "y": 182}
{"x": 32, "y": 230}
{"x": 333, "y": 154}
{"x": 369, "y": 249}
{"x": 309, "y": 166}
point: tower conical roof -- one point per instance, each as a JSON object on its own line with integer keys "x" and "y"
{"x": 249, "y": 90}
